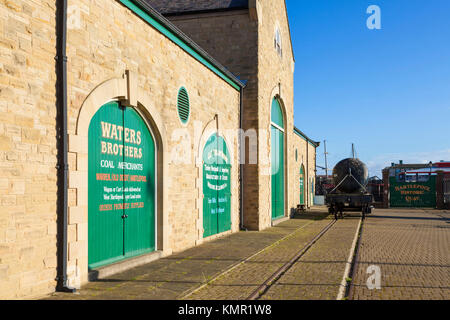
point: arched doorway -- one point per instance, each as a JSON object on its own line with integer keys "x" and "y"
{"x": 216, "y": 187}
{"x": 121, "y": 186}
{"x": 277, "y": 160}
{"x": 302, "y": 185}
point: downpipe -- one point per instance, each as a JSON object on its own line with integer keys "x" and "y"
{"x": 62, "y": 145}
{"x": 241, "y": 158}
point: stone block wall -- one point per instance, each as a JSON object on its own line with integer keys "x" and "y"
{"x": 28, "y": 156}
{"x": 112, "y": 55}
{"x": 111, "y": 40}
{"x": 232, "y": 39}
{"x": 306, "y": 155}
{"x": 275, "y": 78}
{"x": 243, "y": 40}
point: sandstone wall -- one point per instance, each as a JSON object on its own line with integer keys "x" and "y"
{"x": 275, "y": 77}
{"x": 27, "y": 148}
{"x": 112, "y": 54}
{"x": 243, "y": 40}
{"x": 110, "y": 40}
{"x": 232, "y": 39}
{"x": 306, "y": 155}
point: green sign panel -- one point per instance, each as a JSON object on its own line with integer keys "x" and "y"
{"x": 121, "y": 187}
{"x": 216, "y": 187}
{"x": 413, "y": 194}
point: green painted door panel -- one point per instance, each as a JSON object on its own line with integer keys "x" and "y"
{"x": 105, "y": 223}
{"x": 121, "y": 186}
{"x": 274, "y": 168}
{"x": 216, "y": 187}
{"x": 280, "y": 186}
{"x": 223, "y": 187}
{"x": 277, "y": 158}
{"x": 277, "y": 114}
{"x": 139, "y": 173}
{"x": 210, "y": 168}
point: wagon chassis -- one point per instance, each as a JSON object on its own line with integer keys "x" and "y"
{"x": 339, "y": 202}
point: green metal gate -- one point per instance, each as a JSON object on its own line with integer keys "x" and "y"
{"x": 216, "y": 187}
{"x": 413, "y": 194}
{"x": 277, "y": 160}
{"x": 121, "y": 186}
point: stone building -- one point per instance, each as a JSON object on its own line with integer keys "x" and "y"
{"x": 252, "y": 39}
{"x": 129, "y": 150}
{"x": 303, "y": 176}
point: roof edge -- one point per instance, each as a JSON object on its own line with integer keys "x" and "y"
{"x": 185, "y": 13}
{"x": 174, "y": 34}
{"x": 297, "y": 131}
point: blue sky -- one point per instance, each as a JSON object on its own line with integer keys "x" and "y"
{"x": 387, "y": 91}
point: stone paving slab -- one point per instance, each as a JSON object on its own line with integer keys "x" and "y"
{"x": 239, "y": 283}
{"x": 412, "y": 248}
{"x": 172, "y": 277}
{"x": 317, "y": 275}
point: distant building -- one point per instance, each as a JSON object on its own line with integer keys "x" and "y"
{"x": 324, "y": 184}
{"x": 375, "y": 186}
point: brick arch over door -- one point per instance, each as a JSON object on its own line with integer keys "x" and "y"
{"x": 126, "y": 90}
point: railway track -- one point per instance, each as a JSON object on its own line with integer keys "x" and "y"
{"x": 346, "y": 288}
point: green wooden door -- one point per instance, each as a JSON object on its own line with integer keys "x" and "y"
{"x": 121, "y": 186}
{"x": 139, "y": 171}
{"x": 277, "y": 173}
{"x": 302, "y": 186}
{"x": 216, "y": 187}
{"x": 277, "y": 161}
{"x": 105, "y": 223}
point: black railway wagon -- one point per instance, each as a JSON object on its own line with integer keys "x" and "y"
{"x": 350, "y": 194}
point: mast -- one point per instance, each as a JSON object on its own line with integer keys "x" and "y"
{"x": 326, "y": 162}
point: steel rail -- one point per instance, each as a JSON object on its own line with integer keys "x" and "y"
{"x": 349, "y": 291}
{"x": 343, "y": 289}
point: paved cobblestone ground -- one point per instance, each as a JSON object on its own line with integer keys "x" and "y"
{"x": 175, "y": 276}
{"x": 239, "y": 283}
{"x": 317, "y": 275}
{"x": 412, "y": 248}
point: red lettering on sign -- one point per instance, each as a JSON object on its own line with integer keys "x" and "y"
{"x": 138, "y": 178}
{"x": 103, "y": 177}
{"x": 105, "y": 207}
{"x": 137, "y": 205}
